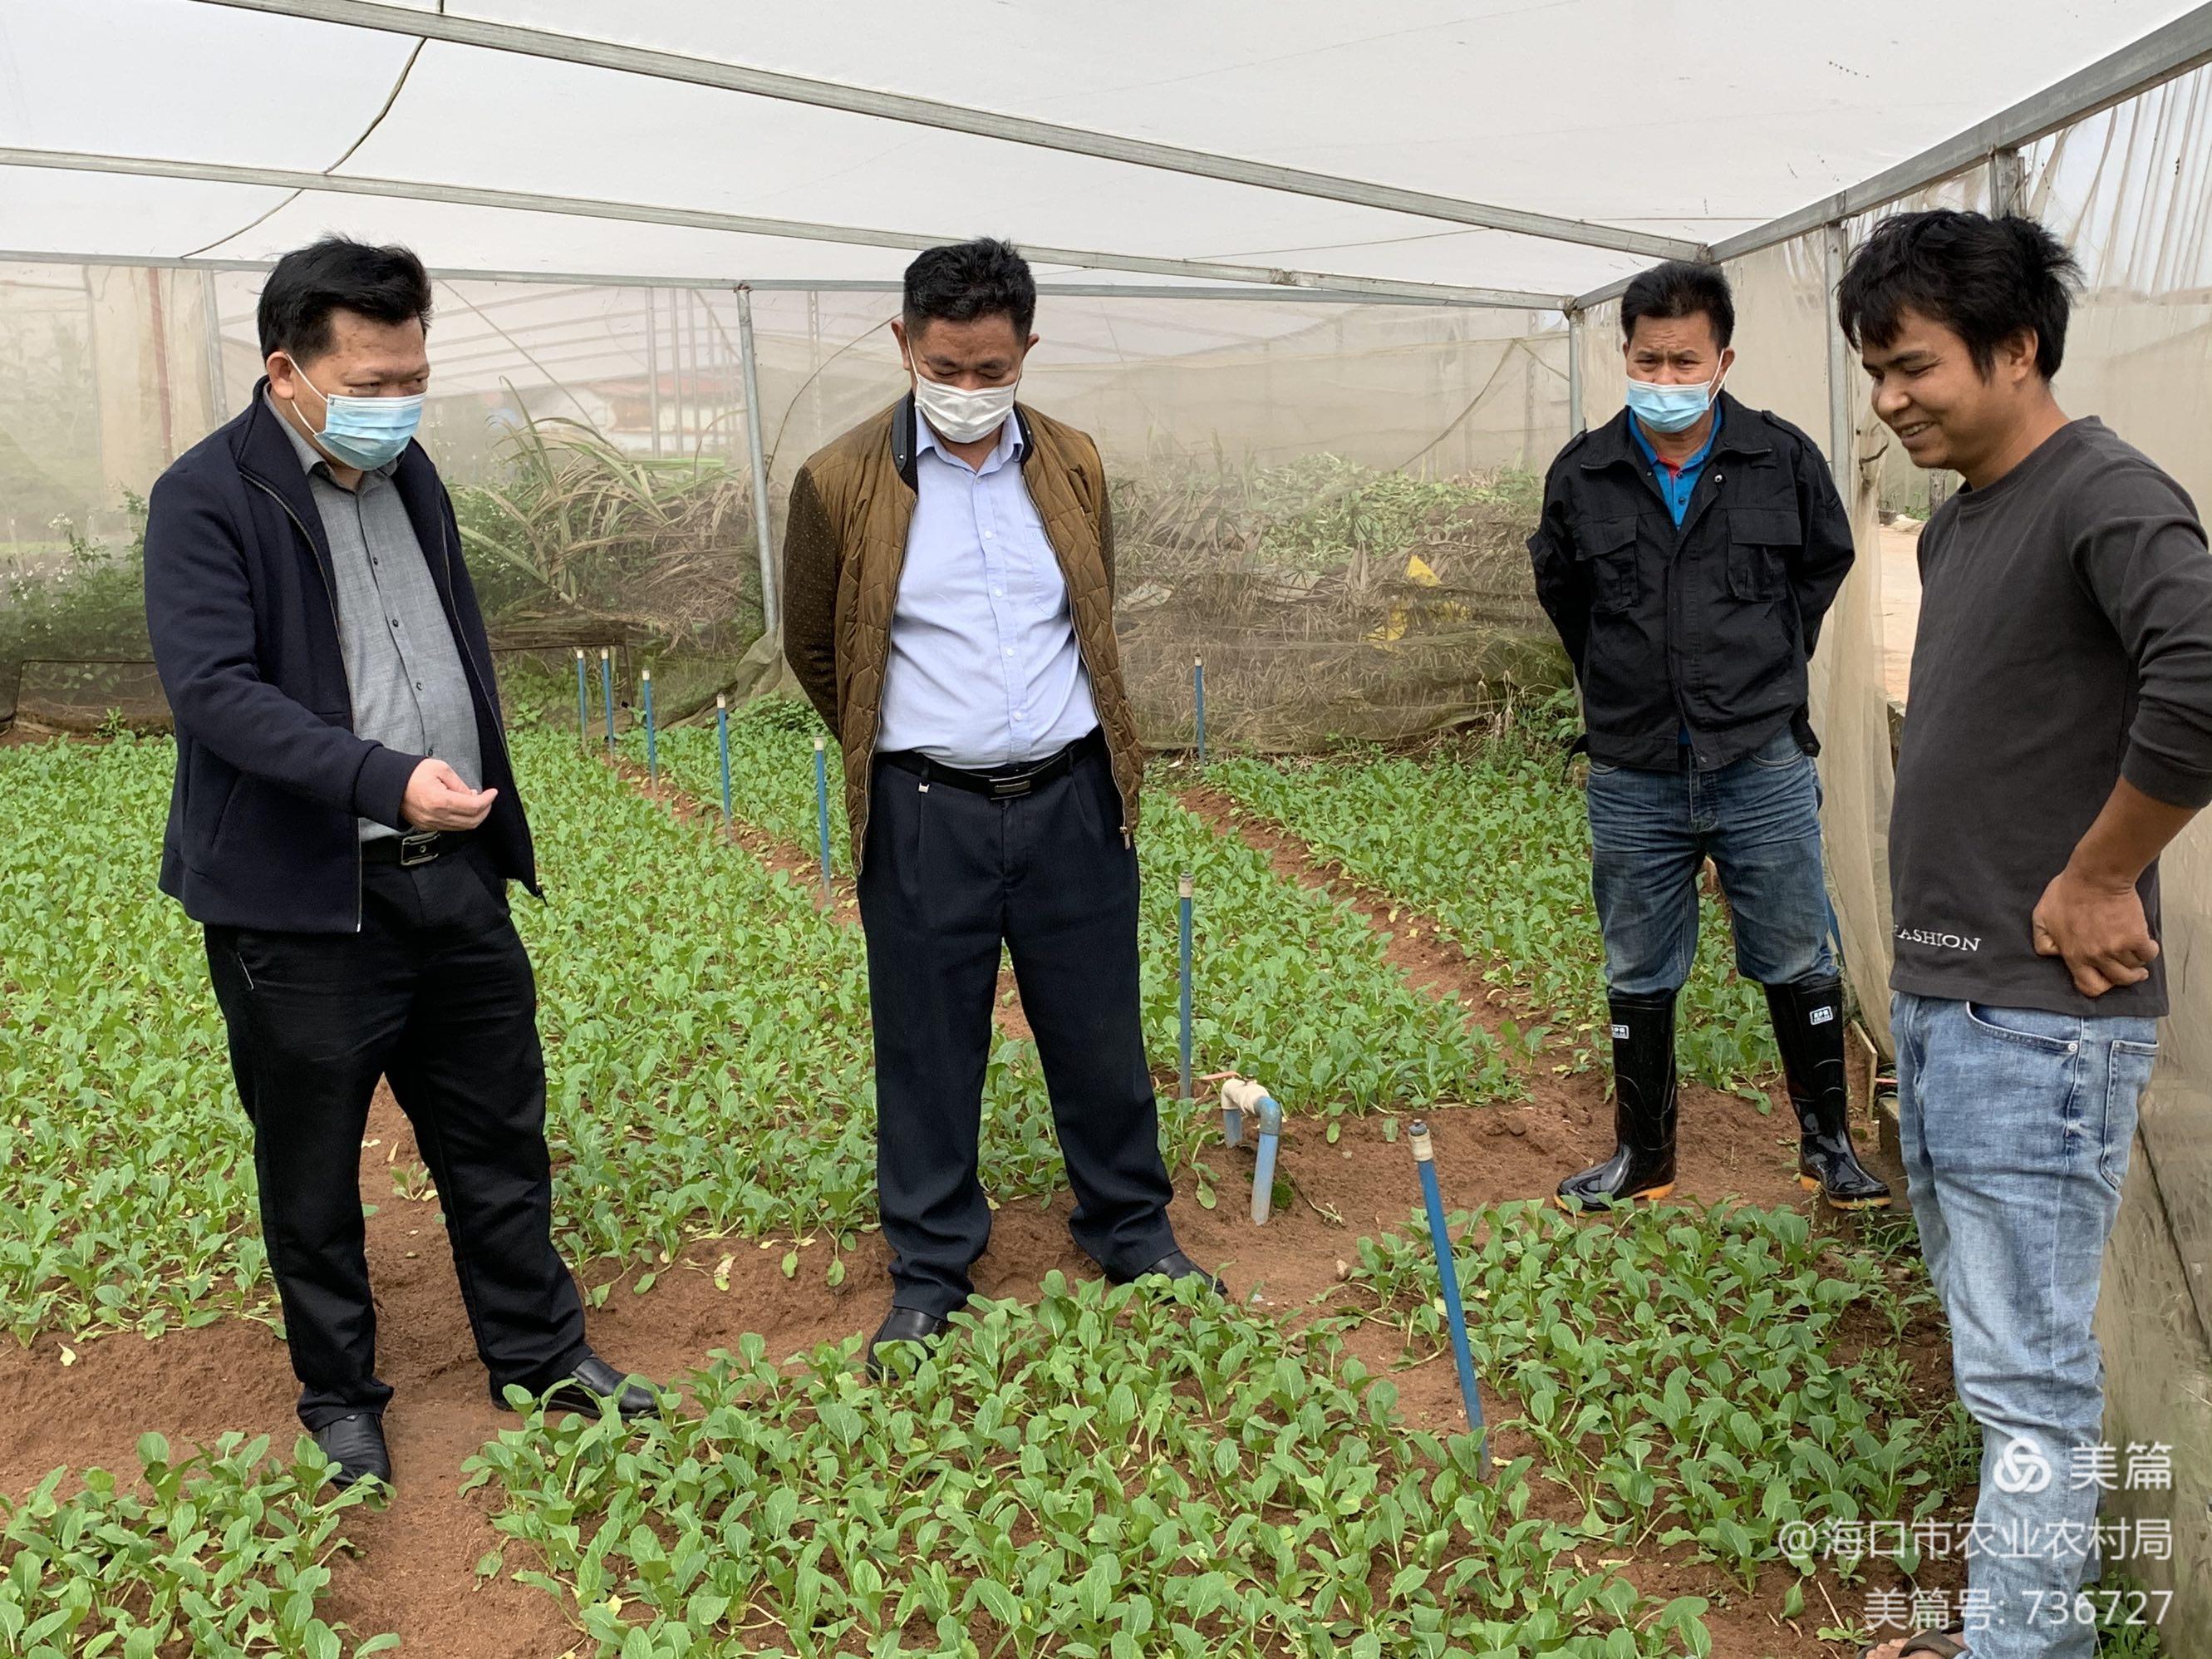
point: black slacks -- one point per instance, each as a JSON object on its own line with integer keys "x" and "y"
{"x": 950, "y": 874}
{"x": 435, "y": 994}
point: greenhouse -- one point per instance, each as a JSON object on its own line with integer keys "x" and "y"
{"x": 1330, "y": 289}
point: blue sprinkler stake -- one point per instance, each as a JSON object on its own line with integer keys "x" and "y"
{"x": 1247, "y": 1098}
{"x": 1198, "y": 694}
{"x": 652, "y": 743}
{"x": 607, "y": 691}
{"x": 722, "y": 737}
{"x": 583, "y": 704}
{"x": 822, "y": 806}
{"x": 1425, "y": 1159}
{"x": 1184, "y": 890}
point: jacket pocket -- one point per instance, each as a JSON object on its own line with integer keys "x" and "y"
{"x": 1604, "y": 549}
{"x": 1761, "y": 542}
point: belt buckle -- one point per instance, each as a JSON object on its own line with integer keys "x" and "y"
{"x": 1014, "y": 787}
{"x": 419, "y": 848}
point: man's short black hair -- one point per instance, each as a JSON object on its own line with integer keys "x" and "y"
{"x": 385, "y": 284}
{"x": 967, "y": 280}
{"x": 1679, "y": 289}
{"x": 1984, "y": 279}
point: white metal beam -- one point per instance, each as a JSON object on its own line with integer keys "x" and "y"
{"x": 2165, "y": 53}
{"x": 779, "y": 284}
{"x": 741, "y": 224}
{"x": 959, "y": 117}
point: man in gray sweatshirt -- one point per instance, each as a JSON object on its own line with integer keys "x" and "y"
{"x": 2059, "y": 735}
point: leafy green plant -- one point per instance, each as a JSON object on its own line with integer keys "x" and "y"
{"x": 225, "y": 1550}
{"x": 594, "y": 529}
{"x": 709, "y": 1066}
{"x": 1690, "y": 1375}
{"x": 126, "y": 1174}
{"x": 1270, "y": 956}
{"x": 1108, "y": 1473}
{"x": 1491, "y": 839}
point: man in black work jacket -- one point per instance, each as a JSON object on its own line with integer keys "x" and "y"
{"x": 1688, "y": 549}
{"x": 344, "y": 824}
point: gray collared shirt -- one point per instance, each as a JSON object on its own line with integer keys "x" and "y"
{"x": 409, "y": 691}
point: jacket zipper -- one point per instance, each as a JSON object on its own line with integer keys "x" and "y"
{"x": 469, "y": 652}
{"x": 331, "y": 590}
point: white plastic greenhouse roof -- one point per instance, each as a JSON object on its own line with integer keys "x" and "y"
{"x": 1514, "y": 151}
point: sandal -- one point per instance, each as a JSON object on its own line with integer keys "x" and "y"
{"x": 1937, "y": 1643}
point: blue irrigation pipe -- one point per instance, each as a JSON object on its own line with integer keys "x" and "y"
{"x": 607, "y": 692}
{"x": 722, "y": 737}
{"x": 583, "y": 704}
{"x": 1425, "y": 1159}
{"x": 821, "y": 806}
{"x": 1263, "y": 1167}
{"x": 1198, "y": 698}
{"x": 652, "y": 740}
{"x": 1185, "y": 889}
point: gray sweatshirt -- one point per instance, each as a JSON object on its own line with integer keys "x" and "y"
{"x": 2065, "y": 642}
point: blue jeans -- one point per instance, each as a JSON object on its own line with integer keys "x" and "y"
{"x": 1757, "y": 819}
{"x": 2016, "y": 1125}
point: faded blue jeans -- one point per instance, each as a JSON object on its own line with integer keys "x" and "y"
{"x": 1758, "y": 818}
{"x": 2017, "y": 1125}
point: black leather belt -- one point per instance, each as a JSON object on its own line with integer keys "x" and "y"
{"x": 1009, "y": 783}
{"x": 416, "y": 846}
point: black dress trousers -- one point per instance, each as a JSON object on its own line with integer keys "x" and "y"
{"x": 435, "y": 994}
{"x": 949, "y": 874}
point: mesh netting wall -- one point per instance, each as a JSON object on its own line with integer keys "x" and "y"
{"x": 1328, "y": 502}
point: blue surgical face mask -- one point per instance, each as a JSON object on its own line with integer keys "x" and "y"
{"x": 365, "y": 431}
{"x": 1671, "y": 408}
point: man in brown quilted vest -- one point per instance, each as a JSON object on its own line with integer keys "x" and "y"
{"x": 948, "y": 606}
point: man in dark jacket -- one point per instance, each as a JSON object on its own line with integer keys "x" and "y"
{"x": 1687, "y": 551}
{"x": 344, "y": 824}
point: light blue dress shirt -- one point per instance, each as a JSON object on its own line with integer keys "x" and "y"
{"x": 984, "y": 669}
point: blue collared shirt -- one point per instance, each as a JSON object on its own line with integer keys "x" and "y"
{"x": 1677, "y": 485}
{"x": 984, "y": 669}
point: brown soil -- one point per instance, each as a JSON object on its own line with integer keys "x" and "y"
{"x": 1728, "y": 1147}
{"x": 415, "y": 1574}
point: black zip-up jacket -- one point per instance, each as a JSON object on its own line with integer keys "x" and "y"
{"x": 271, "y": 782}
{"x": 1708, "y": 627}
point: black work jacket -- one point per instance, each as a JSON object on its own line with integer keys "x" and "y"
{"x": 1708, "y": 627}
{"x": 271, "y": 782}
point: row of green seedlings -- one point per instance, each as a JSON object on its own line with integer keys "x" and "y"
{"x": 1109, "y": 1473}
{"x": 1270, "y": 958}
{"x": 223, "y": 1554}
{"x": 1491, "y": 837}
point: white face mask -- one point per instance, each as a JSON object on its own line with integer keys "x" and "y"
{"x": 963, "y": 417}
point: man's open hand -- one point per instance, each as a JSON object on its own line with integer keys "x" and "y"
{"x": 2099, "y": 928}
{"x": 436, "y": 799}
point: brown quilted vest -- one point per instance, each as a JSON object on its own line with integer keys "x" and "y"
{"x": 845, "y": 545}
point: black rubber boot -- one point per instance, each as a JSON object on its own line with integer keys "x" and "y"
{"x": 1643, "y": 1102}
{"x": 1809, "y": 1026}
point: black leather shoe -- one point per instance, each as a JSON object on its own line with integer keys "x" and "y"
{"x": 1174, "y": 1265}
{"x": 355, "y": 1447}
{"x": 1644, "y": 1111}
{"x": 593, "y": 1382}
{"x": 901, "y": 1325}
